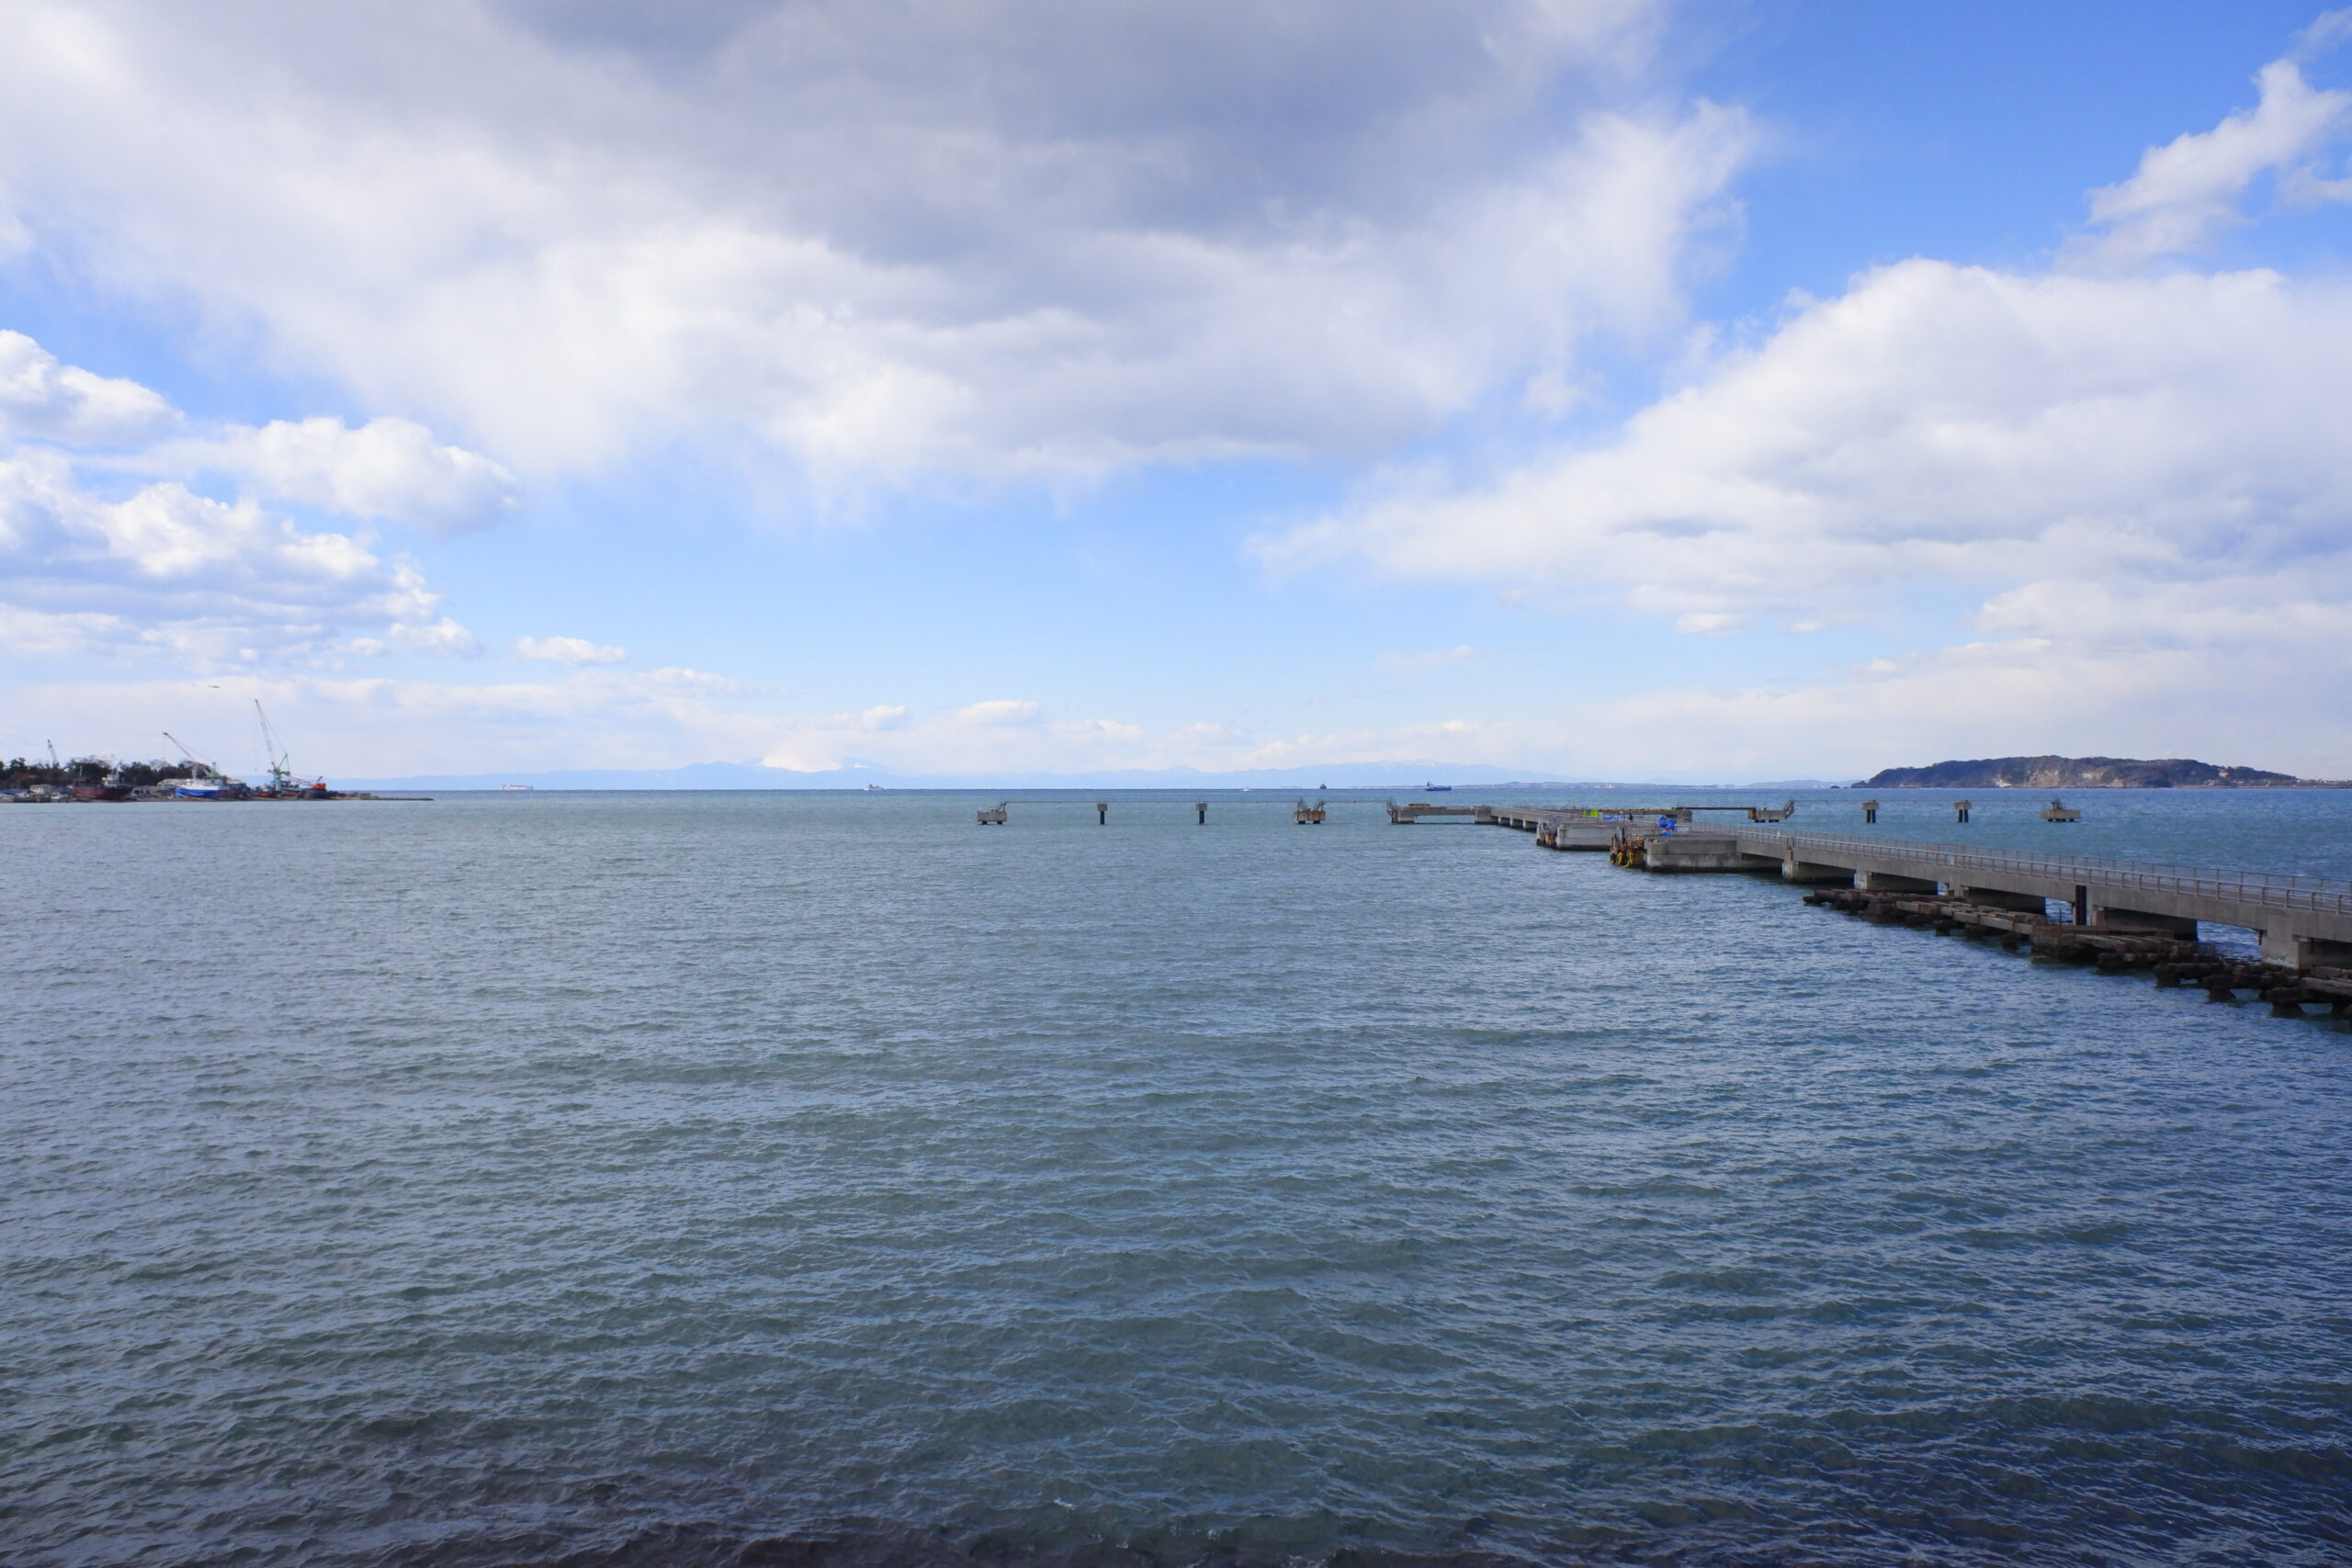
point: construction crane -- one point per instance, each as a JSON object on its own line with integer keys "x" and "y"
{"x": 204, "y": 770}
{"x": 281, "y": 777}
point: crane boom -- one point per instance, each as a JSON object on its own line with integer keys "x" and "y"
{"x": 282, "y": 781}
{"x": 281, "y": 775}
{"x": 194, "y": 760}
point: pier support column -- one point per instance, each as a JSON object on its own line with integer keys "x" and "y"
{"x": 1102, "y": 813}
{"x": 1795, "y": 870}
{"x": 2281, "y": 943}
{"x": 1202, "y": 807}
{"x": 1887, "y": 882}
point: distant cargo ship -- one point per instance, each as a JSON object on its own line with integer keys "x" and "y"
{"x": 518, "y": 786}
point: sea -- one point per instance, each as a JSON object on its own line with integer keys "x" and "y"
{"x": 774, "y": 1178}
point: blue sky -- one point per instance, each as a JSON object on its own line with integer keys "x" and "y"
{"x": 1594, "y": 388}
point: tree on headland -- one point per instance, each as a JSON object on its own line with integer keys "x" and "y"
{"x": 20, "y": 773}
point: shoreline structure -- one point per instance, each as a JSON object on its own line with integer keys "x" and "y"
{"x": 2116, "y": 915}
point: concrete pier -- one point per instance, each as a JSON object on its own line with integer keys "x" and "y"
{"x": 2304, "y": 922}
{"x": 1413, "y": 811}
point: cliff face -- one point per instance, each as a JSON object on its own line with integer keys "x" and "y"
{"x": 2071, "y": 773}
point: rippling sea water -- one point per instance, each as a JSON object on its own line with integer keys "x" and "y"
{"x": 782, "y": 1179}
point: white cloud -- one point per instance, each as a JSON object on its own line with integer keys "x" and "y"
{"x": 1003, "y": 710}
{"x": 2326, "y": 31}
{"x": 2187, "y": 193}
{"x": 1707, "y": 623}
{"x": 1403, "y": 661}
{"x": 443, "y": 636}
{"x": 387, "y": 470}
{"x": 1000, "y": 735}
{"x": 1938, "y": 424}
{"x": 42, "y": 400}
{"x": 91, "y": 565}
{"x": 207, "y": 581}
{"x": 40, "y": 633}
{"x": 1012, "y": 239}
{"x": 567, "y": 650}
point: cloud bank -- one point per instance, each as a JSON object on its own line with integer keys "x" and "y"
{"x": 387, "y": 470}
{"x": 100, "y": 558}
{"x": 42, "y": 400}
{"x": 2122, "y": 468}
{"x": 993, "y": 239}
{"x": 871, "y": 246}
{"x": 567, "y": 651}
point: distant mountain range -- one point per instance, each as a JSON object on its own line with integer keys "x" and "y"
{"x": 1401, "y": 777}
{"x": 2073, "y": 772}
{"x": 857, "y": 775}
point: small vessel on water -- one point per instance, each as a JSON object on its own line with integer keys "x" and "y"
{"x": 1437, "y": 788}
{"x": 517, "y": 789}
{"x": 202, "y": 781}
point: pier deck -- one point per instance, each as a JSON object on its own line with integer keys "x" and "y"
{"x": 2303, "y": 922}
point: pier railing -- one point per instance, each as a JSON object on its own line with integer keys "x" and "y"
{"x": 2274, "y": 889}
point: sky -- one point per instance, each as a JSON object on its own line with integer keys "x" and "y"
{"x": 1587, "y": 388}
